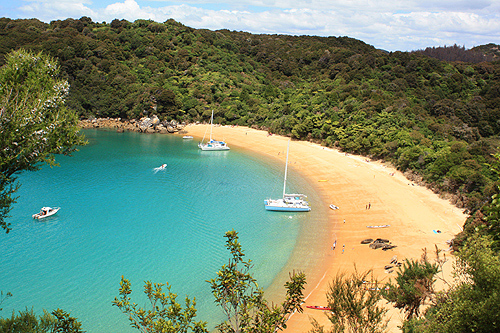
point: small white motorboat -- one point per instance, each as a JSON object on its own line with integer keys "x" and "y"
{"x": 187, "y": 137}
{"x": 46, "y": 212}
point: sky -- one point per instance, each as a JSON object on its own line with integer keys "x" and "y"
{"x": 392, "y": 25}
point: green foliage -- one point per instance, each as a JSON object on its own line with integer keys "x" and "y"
{"x": 34, "y": 123}
{"x": 492, "y": 211}
{"x": 406, "y": 108}
{"x": 27, "y": 322}
{"x": 355, "y": 307}
{"x": 471, "y": 305}
{"x": 413, "y": 285}
{"x": 486, "y": 221}
{"x": 64, "y": 323}
{"x": 238, "y": 294}
{"x": 165, "y": 314}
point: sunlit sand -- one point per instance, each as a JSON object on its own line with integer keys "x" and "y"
{"x": 367, "y": 193}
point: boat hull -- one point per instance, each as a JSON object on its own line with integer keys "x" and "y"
{"x": 213, "y": 145}
{"x": 212, "y": 148}
{"x": 283, "y": 207}
{"x": 53, "y": 211}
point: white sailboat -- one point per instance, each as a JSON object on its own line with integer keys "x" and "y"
{"x": 212, "y": 144}
{"x": 289, "y": 202}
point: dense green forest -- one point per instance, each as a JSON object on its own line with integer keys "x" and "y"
{"x": 437, "y": 121}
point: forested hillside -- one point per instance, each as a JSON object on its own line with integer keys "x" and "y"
{"x": 438, "y": 121}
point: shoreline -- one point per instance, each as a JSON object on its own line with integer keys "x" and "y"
{"x": 369, "y": 194}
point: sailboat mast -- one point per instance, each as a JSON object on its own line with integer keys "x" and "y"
{"x": 211, "y": 125}
{"x": 286, "y": 168}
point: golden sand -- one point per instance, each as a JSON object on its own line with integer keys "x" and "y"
{"x": 368, "y": 193}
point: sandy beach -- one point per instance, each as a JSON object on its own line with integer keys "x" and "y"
{"x": 367, "y": 193}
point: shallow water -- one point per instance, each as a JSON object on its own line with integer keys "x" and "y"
{"x": 120, "y": 217}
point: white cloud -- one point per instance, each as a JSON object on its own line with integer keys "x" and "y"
{"x": 401, "y": 25}
{"x": 54, "y": 10}
{"x": 128, "y": 10}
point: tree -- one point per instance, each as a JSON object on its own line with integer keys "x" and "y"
{"x": 413, "y": 286}
{"x": 165, "y": 315}
{"x": 238, "y": 294}
{"x": 354, "y": 305}
{"x": 26, "y": 321}
{"x": 34, "y": 123}
{"x": 471, "y": 305}
{"x": 64, "y": 323}
{"x": 235, "y": 290}
{"x": 492, "y": 210}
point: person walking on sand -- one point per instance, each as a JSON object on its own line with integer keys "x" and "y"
{"x": 343, "y": 248}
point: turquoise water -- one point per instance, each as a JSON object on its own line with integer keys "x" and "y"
{"x": 119, "y": 217}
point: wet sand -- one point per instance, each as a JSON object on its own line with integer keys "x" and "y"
{"x": 368, "y": 194}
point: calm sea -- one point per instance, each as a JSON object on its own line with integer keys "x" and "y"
{"x": 120, "y": 217}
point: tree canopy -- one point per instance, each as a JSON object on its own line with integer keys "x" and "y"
{"x": 34, "y": 122}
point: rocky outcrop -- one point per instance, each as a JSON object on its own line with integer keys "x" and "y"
{"x": 143, "y": 125}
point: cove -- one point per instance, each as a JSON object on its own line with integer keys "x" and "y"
{"x": 120, "y": 217}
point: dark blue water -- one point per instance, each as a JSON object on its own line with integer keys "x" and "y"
{"x": 119, "y": 217}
